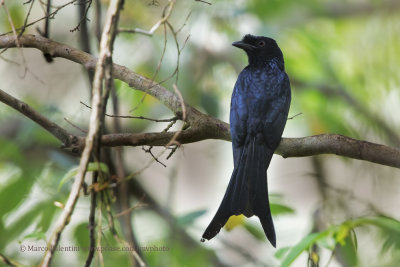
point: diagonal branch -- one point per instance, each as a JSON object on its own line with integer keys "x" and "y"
{"x": 55, "y": 49}
{"x": 60, "y": 133}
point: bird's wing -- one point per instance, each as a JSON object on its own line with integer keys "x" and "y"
{"x": 239, "y": 116}
{"x": 276, "y": 116}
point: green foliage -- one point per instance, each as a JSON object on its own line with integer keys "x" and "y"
{"x": 279, "y": 209}
{"x": 304, "y": 245}
{"x": 13, "y": 192}
{"x": 343, "y": 235}
{"x": 92, "y": 167}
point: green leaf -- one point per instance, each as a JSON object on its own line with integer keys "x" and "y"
{"x": 304, "y": 245}
{"x": 349, "y": 249}
{"x": 13, "y": 193}
{"x": 279, "y": 209}
{"x": 190, "y": 217}
{"x": 380, "y": 221}
{"x": 389, "y": 226}
{"x": 92, "y": 166}
{"x": 342, "y": 234}
{"x": 282, "y": 252}
{"x": 329, "y": 241}
{"x": 345, "y": 236}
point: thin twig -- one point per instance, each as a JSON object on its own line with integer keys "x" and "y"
{"x": 202, "y": 1}
{"x": 166, "y": 14}
{"x": 343, "y": 192}
{"x": 97, "y": 19}
{"x": 75, "y": 126}
{"x": 84, "y": 17}
{"x": 184, "y": 22}
{"x": 173, "y": 119}
{"x": 154, "y": 157}
{"x": 92, "y": 222}
{"x": 14, "y": 31}
{"x": 26, "y": 19}
{"x": 140, "y": 204}
{"x": 298, "y": 114}
{"x": 110, "y": 219}
{"x": 46, "y": 31}
{"x": 173, "y": 149}
{"x": 157, "y": 69}
{"x": 136, "y": 30}
{"x": 173, "y": 139}
{"x": 51, "y": 15}
{"x": 330, "y": 258}
{"x": 169, "y": 126}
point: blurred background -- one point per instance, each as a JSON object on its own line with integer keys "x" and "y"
{"x": 343, "y": 60}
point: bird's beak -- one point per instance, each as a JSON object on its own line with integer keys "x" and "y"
{"x": 243, "y": 45}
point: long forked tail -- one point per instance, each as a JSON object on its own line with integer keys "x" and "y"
{"x": 247, "y": 191}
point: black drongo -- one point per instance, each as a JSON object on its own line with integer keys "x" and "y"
{"x": 259, "y": 110}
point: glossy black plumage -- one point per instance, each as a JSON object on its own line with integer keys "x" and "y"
{"x": 259, "y": 110}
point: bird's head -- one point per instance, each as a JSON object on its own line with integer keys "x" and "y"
{"x": 260, "y": 49}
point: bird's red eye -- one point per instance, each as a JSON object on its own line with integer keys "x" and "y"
{"x": 261, "y": 43}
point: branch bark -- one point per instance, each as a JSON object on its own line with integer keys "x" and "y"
{"x": 339, "y": 145}
{"x": 202, "y": 126}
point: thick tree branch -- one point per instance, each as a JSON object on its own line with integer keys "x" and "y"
{"x": 289, "y": 147}
{"x": 202, "y": 126}
{"x": 339, "y": 145}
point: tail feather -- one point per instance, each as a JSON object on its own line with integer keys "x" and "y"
{"x": 247, "y": 191}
